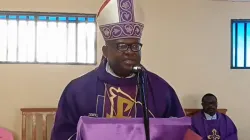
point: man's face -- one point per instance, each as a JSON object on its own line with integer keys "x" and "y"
{"x": 209, "y": 105}
{"x": 122, "y": 55}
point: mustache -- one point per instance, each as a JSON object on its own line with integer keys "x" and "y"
{"x": 210, "y": 108}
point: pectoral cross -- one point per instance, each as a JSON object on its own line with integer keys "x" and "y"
{"x": 214, "y": 136}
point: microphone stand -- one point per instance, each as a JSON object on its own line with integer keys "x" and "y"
{"x": 141, "y": 90}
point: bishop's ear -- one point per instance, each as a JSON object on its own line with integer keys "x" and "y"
{"x": 105, "y": 50}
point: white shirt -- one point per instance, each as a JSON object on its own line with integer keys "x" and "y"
{"x": 208, "y": 117}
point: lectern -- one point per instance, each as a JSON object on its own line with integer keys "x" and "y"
{"x": 133, "y": 129}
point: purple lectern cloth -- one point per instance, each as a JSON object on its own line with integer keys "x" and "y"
{"x": 131, "y": 129}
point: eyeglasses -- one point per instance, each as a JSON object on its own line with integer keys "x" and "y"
{"x": 133, "y": 47}
{"x": 209, "y": 103}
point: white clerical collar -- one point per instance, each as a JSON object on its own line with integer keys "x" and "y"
{"x": 208, "y": 117}
{"x": 110, "y": 71}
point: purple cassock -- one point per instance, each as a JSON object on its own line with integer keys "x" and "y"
{"x": 99, "y": 94}
{"x": 222, "y": 128}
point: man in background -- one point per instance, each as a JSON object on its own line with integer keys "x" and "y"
{"x": 212, "y": 125}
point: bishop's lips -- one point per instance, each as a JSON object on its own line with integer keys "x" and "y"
{"x": 130, "y": 61}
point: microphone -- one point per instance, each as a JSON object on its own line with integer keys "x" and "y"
{"x": 137, "y": 69}
{"x": 141, "y": 90}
